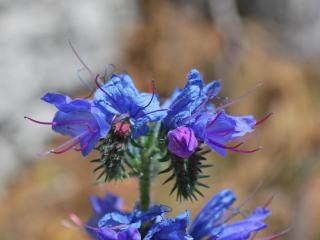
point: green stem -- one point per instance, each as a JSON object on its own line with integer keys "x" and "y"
{"x": 144, "y": 182}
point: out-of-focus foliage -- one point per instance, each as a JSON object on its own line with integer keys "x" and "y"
{"x": 170, "y": 41}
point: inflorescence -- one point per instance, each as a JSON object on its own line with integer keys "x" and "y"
{"x": 137, "y": 136}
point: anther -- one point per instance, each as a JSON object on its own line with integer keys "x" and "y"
{"x": 264, "y": 119}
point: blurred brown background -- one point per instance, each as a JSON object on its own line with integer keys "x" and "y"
{"x": 236, "y": 41}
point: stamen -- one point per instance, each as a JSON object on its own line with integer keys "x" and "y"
{"x": 244, "y": 138}
{"x": 66, "y": 149}
{"x": 277, "y": 235}
{"x": 233, "y": 149}
{"x": 73, "y": 142}
{"x": 238, "y": 145}
{"x": 40, "y": 122}
{"x": 153, "y": 87}
{"x": 222, "y": 132}
{"x": 214, "y": 120}
{"x": 264, "y": 119}
{"x": 198, "y": 110}
{"x": 159, "y": 110}
{"x": 83, "y": 81}
{"x": 150, "y": 101}
{"x": 269, "y": 201}
{"x": 236, "y": 100}
{"x": 80, "y": 59}
{"x": 85, "y": 145}
{"x": 106, "y": 75}
{"x": 108, "y": 95}
{"x": 237, "y": 210}
{"x": 76, "y": 220}
{"x": 246, "y": 151}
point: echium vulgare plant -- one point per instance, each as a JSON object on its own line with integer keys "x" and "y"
{"x": 137, "y": 136}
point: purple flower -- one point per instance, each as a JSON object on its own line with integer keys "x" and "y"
{"x": 217, "y": 129}
{"x": 182, "y": 142}
{"x": 79, "y": 119}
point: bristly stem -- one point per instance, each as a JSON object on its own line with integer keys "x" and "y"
{"x": 147, "y": 153}
{"x": 145, "y": 182}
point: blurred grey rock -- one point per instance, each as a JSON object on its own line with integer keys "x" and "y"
{"x": 298, "y": 23}
{"x": 35, "y": 58}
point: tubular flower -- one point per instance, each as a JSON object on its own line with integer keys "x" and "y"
{"x": 217, "y": 129}
{"x": 79, "y": 119}
{"x": 190, "y": 107}
{"x": 120, "y": 97}
{"x": 109, "y": 222}
{"x": 211, "y": 222}
{"x": 185, "y": 103}
{"x": 193, "y": 122}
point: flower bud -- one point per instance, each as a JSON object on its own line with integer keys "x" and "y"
{"x": 182, "y": 142}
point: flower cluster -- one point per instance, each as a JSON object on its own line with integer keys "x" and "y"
{"x": 119, "y": 121}
{"x": 137, "y": 136}
{"x": 188, "y": 116}
{"x": 110, "y": 222}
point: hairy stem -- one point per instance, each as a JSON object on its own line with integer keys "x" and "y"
{"x": 144, "y": 182}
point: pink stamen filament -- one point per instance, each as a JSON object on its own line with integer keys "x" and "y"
{"x": 73, "y": 142}
{"x": 264, "y": 119}
{"x": 234, "y": 148}
{"x": 76, "y": 220}
{"x": 277, "y": 235}
{"x": 222, "y": 132}
{"x": 39, "y": 122}
{"x": 66, "y": 149}
{"x": 214, "y": 120}
{"x": 85, "y": 145}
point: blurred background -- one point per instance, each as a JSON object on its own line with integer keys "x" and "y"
{"x": 241, "y": 42}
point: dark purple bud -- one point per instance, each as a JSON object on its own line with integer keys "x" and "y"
{"x": 182, "y": 142}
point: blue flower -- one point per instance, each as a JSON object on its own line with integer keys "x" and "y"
{"x": 190, "y": 107}
{"x": 242, "y": 229}
{"x": 182, "y": 142}
{"x": 208, "y": 221}
{"x": 216, "y": 129}
{"x": 101, "y": 206}
{"x": 211, "y": 222}
{"x": 120, "y": 97}
{"x": 173, "y": 229}
{"x": 79, "y": 119}
{"x": 109, "y": 222}
{"x": 186, "y": 103}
